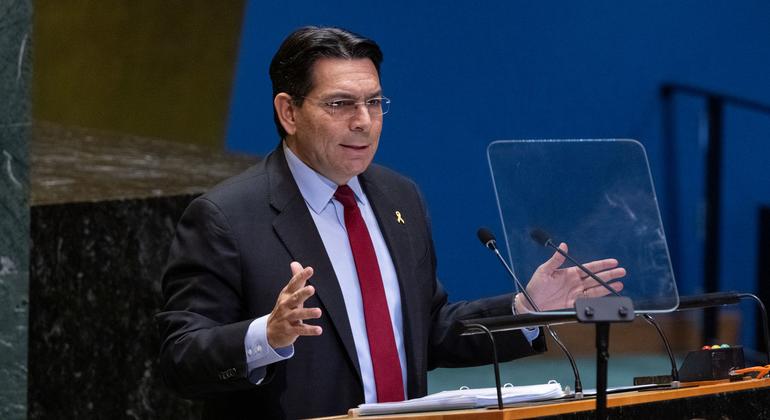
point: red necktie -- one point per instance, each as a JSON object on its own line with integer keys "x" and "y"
{"x": 382, "y": 344}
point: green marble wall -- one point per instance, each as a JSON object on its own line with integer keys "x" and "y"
{"x": 15, "y": 28}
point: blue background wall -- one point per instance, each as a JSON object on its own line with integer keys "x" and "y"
{"x": 462, "y": 75}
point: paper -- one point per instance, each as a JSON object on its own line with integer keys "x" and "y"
{"x": 466, "y": 398}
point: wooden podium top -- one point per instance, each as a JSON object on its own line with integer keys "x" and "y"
{"x": 541, "y": 409}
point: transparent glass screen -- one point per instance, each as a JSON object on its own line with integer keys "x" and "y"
{"x": 595, "y": 195}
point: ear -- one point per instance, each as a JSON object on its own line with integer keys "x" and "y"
{"x": 284, "y": 108}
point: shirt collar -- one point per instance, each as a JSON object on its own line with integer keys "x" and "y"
{"x": 316, "y": 189}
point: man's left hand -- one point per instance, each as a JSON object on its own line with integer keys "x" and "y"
{"x": 552, "y": 287}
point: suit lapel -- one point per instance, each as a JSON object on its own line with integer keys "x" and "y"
{"x": 296, "y": 229}
{"x": 397, "y": 238}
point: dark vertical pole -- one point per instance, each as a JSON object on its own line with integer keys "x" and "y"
{"x": 763, "y": 270}
{"x": 602, "y": 359}
{"x": 713, "y": 204}
{"x": 670, "y": 176}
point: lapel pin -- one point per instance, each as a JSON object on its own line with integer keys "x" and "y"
{"x": 399, "y": 219}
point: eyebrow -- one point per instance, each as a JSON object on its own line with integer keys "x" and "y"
{"x": 348, "y": 95}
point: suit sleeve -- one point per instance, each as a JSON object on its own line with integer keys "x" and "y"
{"x": 449, "y": 349}
{"x": 446, "y": 348}
{"x": 202, "y": 325}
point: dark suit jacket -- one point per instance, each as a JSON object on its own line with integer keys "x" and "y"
{"x": 229, "y": 261}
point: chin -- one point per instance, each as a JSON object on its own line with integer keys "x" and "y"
{"x": 350, "y": 173}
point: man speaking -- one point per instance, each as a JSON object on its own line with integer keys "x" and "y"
{"x": 307, "y": 284}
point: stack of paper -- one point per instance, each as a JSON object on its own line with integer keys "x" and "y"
{"x": 466, "y": 398}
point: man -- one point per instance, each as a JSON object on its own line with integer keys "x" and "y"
{"x": 307, "y": 285}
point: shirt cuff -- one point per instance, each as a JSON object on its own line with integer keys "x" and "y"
{"x": 530, "y": 333}
{"x": 259, "y": 354}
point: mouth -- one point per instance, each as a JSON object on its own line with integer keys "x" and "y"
{"x": 355, "y": 147}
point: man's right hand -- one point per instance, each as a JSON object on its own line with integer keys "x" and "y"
{"x": 285, "y": 322}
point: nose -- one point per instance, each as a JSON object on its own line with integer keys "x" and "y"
{"x": 361, "y": 120}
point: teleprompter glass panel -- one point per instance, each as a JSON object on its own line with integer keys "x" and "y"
{"x": 595, "y": 195}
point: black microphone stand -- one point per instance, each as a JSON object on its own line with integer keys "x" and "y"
{"x": 487, "y": 239}
{"x": 495, "y": 360}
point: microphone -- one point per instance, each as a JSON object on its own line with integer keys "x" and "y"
{"x": 487, "y": 239}
{"x": 542, "y": 238}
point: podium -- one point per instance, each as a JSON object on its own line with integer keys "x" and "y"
{"x": 604, "y": 207}
{"x": 746, "y": 399}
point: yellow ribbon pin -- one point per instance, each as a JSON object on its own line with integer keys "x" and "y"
{"x": 399, "y": 219}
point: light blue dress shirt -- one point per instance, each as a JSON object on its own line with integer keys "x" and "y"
{"x": 329, "y": 217}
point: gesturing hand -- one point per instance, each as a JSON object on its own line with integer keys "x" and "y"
{"x": 285, "y": 322}
{"x": 552, "y": 287}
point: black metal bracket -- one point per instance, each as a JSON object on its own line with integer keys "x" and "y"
{"x": 604, "y": 309}
{"x": 602, "y": 312}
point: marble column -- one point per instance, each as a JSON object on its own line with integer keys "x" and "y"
{"x": 15, "y": 26}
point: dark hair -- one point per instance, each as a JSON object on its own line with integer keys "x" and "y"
{"x": 292, "y": 65}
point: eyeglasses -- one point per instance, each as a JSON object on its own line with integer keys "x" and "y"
{"x": 347, "y": 108}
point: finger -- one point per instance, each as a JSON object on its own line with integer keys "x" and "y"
{"x": 607, "y": 276}
{"x": 555, "y": 261}
{"x": 308, "y": 330}
{"x": 601, "y": 265}
{"x": 296, "y": 272}
{"x": 299, "y": 277}
{"x": 295, "y": 268}
{"x": 303, "y": 314}
{"x": 599, "y": 291}
{"x": 299, "y": 297}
